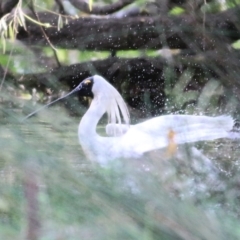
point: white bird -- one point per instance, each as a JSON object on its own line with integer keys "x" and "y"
{"x": 132, "y": 141}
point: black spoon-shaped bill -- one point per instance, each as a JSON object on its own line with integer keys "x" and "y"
{"x": 78, "y": 88}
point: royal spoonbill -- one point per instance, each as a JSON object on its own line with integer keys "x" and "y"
{"x": 132, "y": 141}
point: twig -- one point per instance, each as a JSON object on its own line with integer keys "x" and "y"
{"x": 204, "y": 27}
{"x": 31, "y": 6}
{"x": 56, "y": 58}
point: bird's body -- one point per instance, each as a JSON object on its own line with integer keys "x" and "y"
{"x": 131, "y": 141}
{"x": 153, "y": 134}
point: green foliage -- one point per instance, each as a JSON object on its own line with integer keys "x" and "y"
{"x": 176, "y": 11}
{"x": 156, "y": 198}
{"x": 177, "y": 96}
{"x": 81, "y": 56}
{"x": 207, "y": 99}
{"x": 129, "y": 54}
{"x": 236, "y": 45}
{"x": 218, "y": 5}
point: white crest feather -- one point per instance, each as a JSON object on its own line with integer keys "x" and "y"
{"x": 116, "y": 107}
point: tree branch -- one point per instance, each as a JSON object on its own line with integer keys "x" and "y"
{"x": 215, "y": 63}
{"x": 136, "y": 33}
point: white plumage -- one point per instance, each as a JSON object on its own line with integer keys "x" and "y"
{"x": 130, "y": 141}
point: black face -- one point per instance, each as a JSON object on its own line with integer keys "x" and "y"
{"x": 85, "y": 87}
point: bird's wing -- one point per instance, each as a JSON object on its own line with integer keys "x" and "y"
{"x": 156, "y": 132}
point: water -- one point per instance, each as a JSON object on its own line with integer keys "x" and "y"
{"x": 142, "y": 200}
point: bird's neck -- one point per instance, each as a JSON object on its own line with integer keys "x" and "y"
{"x": 89, "y": 121}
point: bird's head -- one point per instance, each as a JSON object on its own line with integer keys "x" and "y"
{"x": 85, "y": 87}
{"x": 93, "y": 86}
{"x": 97, "y": 86}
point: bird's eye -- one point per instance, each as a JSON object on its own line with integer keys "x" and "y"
{"x": 87, "y": 81}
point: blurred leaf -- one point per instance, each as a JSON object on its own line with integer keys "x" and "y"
{"x": 177, "y": 11}
{"x": 90, "y": 3}
{"x": 179, "y": 94}
{"x": 211, "y": 89}
{"x": 236, "y": 44}
{"x": 60, "y": 22}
